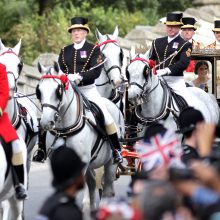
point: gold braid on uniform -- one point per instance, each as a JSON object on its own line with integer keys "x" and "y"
{"x": 64, "y": 61}
{"x": 74, "y": 62}
{"x": 157, "y": 53}
{"x": 87, "y": 61}
{"x": 177, "y": 53}
{"x": 165, "y": 55}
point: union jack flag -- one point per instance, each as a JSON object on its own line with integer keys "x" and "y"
{"x": 159, "y": 150}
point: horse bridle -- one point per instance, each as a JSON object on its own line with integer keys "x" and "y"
{"x": 143, "y": 93}
{"x": 20, "y": 64}
{"x": 112, "y": 67}
{"x": 63, "y": 87}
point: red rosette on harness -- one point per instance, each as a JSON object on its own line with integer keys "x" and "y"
{"x": 152, "y": 65}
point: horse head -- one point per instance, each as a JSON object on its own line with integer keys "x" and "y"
{"x": 50, "y": 92}
{"x": 139, "y": 74}
{"x": 111, "y": 50}
{"x": 10, "y": 58}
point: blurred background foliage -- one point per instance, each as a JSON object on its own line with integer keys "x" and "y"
{"x": 42, "y": 24}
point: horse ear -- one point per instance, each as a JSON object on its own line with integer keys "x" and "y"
{"x": 17, "y": 47}
{"x": 115, "y": 34}
{"x": 41, "y": 68}
{"x": 132, "y": 52}
{"x": 2, "y": 46}
{"x": 56, "y": 66}
{"x": 98, "y": 34}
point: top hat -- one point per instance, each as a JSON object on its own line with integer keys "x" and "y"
{"x": 216, "y": 26}
{"x": 66, "y": 167}
{"x": 189, "y": 22}
{"x": 79, "y": 22}
{"x": 174, "y": 19}
{"x": 188, "y": 119}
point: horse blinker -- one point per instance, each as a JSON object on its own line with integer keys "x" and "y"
{"x": 38, "y": 94}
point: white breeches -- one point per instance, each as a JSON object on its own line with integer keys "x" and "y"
{"x": 177, "y": 83}
{"x": 19, "y": 156}
{"x": 93, "y": 95}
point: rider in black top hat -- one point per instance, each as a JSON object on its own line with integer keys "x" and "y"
{"x": 188, "y": 31}
{"x": 216, "y": 31}
{"x": 81, "y": 61}
{"x": 172, "y": 55}
{"x": 67, "y": 169}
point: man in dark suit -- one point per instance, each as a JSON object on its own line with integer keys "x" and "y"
{"x": 81, "y": 60}
{"x": 172, "y": 54}
{"x": 67, "y": 171}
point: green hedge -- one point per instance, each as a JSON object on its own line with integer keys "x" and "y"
{"x": 48, "y": 33}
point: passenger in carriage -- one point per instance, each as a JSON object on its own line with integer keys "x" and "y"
{"x": 172, "y": 55}
{"x": 10, "y": 137}
{"x": 202, "y": 71}
{"x": 187, "y": 32}
{"x": 81, "y": 61}
{"x": 216, "y": 31}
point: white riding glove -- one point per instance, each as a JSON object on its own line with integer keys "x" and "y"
{"x": 163, "y": 72}
{"x": 75, "y": 78}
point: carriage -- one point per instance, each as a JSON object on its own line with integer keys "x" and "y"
{"x": 209, "y": 55}
{"x": 212, "y": 56}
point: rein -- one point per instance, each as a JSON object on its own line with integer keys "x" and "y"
{"x": 112, "y": 67}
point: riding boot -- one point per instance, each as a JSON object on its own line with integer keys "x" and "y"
{"x": 19, "y": 168}
{"x": 20, "y": 190}
{"x": 116, "y": 148}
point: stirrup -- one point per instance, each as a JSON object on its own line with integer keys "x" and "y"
{"x": 117, "y": 158}
{"x": 21, "y": 192}
{"x": 39, "y": 156}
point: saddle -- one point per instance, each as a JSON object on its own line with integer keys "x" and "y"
{"x": 27, "y": 119}
{"x": 98, "y": 115}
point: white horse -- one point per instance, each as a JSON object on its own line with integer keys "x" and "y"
{"x": 9, "y": 57}
{"x": 111, "y": 74}
{"x": 27, "y": 126}
{"x": 10, "y": 207}
{"x": 69, "y": 121}
{"x": 152, "y": 99}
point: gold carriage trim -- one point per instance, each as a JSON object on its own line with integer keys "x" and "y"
{"x": 111, "y": 128}
{"x": 17, "y": 159}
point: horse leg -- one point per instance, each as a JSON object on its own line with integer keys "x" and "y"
{"x": 16, "y": 208}
{"x": 109, "y": 177}
{"x": 91, "y": 183}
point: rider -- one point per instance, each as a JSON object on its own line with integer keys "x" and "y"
{"x": 216, "y": 31}
{"x": 9, "y": 136}
{"x": 79, "y": 61}
{"x": 172, "y": 55}
{"x": 187, "y": 32}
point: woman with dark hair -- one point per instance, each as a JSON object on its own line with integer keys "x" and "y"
{"x": 202, "y": 71}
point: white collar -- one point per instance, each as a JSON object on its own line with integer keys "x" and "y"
{"x": 190, "y": 41}
{"x": 172, "y": 38}
{"x": 79, "y": 45}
